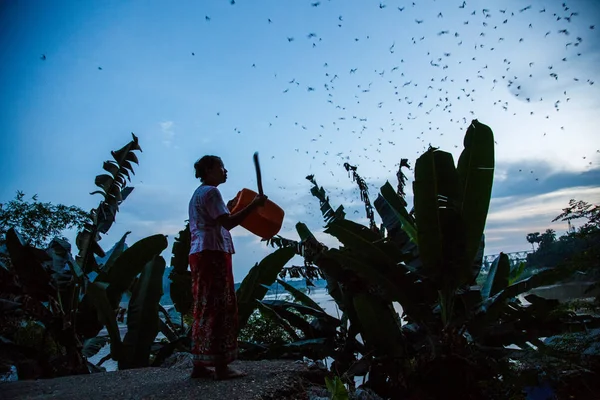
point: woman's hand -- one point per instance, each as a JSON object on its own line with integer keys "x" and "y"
{"x": 231, "y": 203}
{"x": 229, "y": 221}
{"x": 259, "y": 201}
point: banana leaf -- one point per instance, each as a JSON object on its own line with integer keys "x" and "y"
{"x": 303, "y": 232}
{"x": 88, "y": 246}
{"x": 478, "y": 261}
{"x": 167, "y": 331}
{"x": 181, "y": 250}
{"x": 106, "y": 315}
{"x": 519, "y": 324}
{"x": 516, "y": 273}
{"x": 333, "y": 286}
{"x": 125, "y": 153}
{"x": 301, "y": 308}
{"x": 437, "y": 212}
{"x": 131, "y": 262}
{"x": 263, "y": 273}
{"x": 323, "y": 324}
{"x": 395, "y": 234}
{"x": 497, "y": 278}
{"x": 116, "y": 253}
{"x": 490, "y": 308}
{"x": 541, "y": 309}
{"x": 181, "y": 291}
{"x": 299, "y": 296}
{"x": 142, "y": 315}
{"x": 307, "y": 342}
{"x": 111, "y": 167}
{"x": 380, "y": 325}
{"x": 336, "y": 388}
{"x": 329, "y": 214}
{"x": 104, "y": 182}
{"x": 107, "y": 210}
{"x": 367, "y": 271}
{"x": 298, "y": 322}
{"x": 28, "y": 266}
{"x": 398, "y": 207}
{"x": 92, "y": 346}
{"x": 268, "y": 312}
{"x": 180, "y": 276}
{"x": 476, "y": 174}
{"x": 359, "y": 239}
{"x": 467, "y": 301}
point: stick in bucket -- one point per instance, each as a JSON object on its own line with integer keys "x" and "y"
{"x": 258, "y": 175}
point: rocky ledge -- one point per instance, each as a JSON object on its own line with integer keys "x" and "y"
{"x": 276, "y": 379}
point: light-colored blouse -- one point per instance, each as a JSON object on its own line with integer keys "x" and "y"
{"x": 205, "y": 207}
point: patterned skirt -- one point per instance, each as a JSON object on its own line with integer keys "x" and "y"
{"x": 214, "y": 330}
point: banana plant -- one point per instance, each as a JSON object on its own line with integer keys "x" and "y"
{"x": 71, "y": 306}
{"x": 35, "y": 296}
{"x": 372, "y": 316}
{"x": 38, "y": 279}
{"x": 450, "y": 204}
{"x": 114, "y": 190}
{"x": 500, "y": 319}
{"x": 429, "y": 270}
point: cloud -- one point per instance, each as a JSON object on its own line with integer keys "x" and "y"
{"x": 533, "y": 177}
{"x": 512, "y": 217}
{"x": 521, "y": 204}
{"x": 547, "y": 204}
{"x": 166, "y": 128}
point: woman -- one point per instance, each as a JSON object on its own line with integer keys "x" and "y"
{"x": 215, "y": 326}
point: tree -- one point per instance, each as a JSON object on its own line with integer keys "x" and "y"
{"x": 547, "y": 238}
{"x": 579, "y": 248}
{"x": 534, "y": 238}
{"x": 39, "y": 222}
{"x": 581, "y": 209}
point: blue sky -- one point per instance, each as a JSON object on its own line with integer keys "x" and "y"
{"x": 344, "y": 81}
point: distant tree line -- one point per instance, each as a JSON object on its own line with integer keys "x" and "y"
{"x": 578, "y": 247}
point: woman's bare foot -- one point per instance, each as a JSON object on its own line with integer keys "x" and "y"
{"x": 222, "y": 373}
{"x": 200, "y": 371}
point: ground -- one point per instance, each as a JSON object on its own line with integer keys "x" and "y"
{"x": 275, "y": 379}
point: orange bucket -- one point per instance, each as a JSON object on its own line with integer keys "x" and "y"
{"x": 264, "y": 221}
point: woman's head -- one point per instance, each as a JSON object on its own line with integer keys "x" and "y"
{"x": 210, "y": 170}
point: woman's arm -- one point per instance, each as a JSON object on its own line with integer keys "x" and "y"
{"x": 230, "y": 221}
